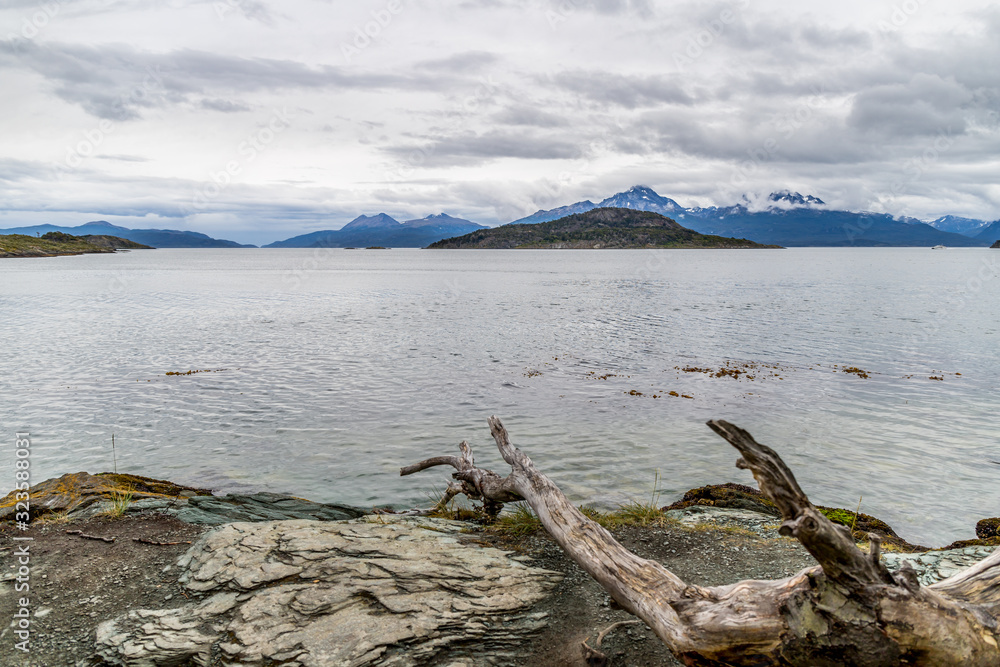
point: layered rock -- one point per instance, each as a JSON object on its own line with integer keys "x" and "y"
{"x": 264, "y": 506}
{"x": 393, "y": 591}
{"x": 81, "y": 494}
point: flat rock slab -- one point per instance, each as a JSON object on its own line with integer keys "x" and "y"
{"x": 393, "y": 591}
{"x": 264, "y": 506}
{"x": 762, "y": 524}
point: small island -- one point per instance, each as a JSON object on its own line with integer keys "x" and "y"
{"x": 604, "y": 228}
{"x": 56, "y": 244}
{"x": 996, "y": 244}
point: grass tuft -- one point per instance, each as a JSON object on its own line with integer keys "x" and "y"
{"x": 55, "y": 518}
{"x": 120, "y": 501}
{"x": 517, "y": 522}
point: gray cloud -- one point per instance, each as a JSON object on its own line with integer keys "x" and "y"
{"x": 471, "y": 148}
{"x": 225, "y": 106}
{"x": 610, "y": 89}
{"x": 540, "y": 102}
{"x": 116, "y": 82}
{"x": 925, "y": 105}
{"x": 530, "y": 116}
{"x": 468, "y": 62}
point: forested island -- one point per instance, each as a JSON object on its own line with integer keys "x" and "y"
{"x": 606, "y": 228}
{"x": 55, "y": 244}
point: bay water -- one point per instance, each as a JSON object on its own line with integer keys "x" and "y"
{"x": 321, "y": 372}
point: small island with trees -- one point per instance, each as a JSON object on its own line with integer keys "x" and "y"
{"x": 600, "y": 228}
{"x": 55, "y": 244}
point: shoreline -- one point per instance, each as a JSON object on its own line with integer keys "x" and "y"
{"x": 107, "y": 586}
{"x": 80, "y": 496}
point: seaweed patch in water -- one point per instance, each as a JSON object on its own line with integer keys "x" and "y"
{"x": 207, "y": 370}
{"x": 737, "y": 370}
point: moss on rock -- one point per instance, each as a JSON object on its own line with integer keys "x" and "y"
{"x": 730, "y": 494}
{"x": 987, "y": 528}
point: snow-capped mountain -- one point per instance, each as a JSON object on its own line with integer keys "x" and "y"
{"x": 786, "y": 199}
{"x": 642, "y": 198}
{"x": 959, "y": 225}
{"x": 784, "y": 218}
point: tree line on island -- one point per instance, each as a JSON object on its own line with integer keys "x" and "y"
{"x": 598, "y": 228}
{"x": 55, "y": 244}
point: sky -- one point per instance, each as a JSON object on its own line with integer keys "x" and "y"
{"x": 256, "y": 121}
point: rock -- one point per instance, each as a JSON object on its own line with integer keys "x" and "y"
{"x": 741, "y": 497}
{"x": 82, "y": 495}
{"x": 217, "y": 510}
{"x": 393, "y": 591}
{"x": 934, "y": 566}
{"x": 74, "y": 493}
{"x": 996, "y": 244}
{"x": 987, "y": 528}
{"x": 765, "y": 525}
{"x": 730, "y": 494}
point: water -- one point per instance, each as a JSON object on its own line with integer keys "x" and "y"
{"x": 334, "y": 368}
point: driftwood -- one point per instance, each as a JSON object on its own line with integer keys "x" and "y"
{"x": 847, "y": 611}
{"x": 143, "y": 540}
{"x": 85, "y": 536}
{"x": 593, "y": 655}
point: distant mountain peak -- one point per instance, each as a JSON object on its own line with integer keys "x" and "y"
{"x": 443, "y": 221}
{"x": 794, "y": 199}
{"x": 643, "y": 198}
{"x": 377, "y": 221}
{"x": 959, "y": 225}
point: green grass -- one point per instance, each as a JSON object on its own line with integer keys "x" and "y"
{"x": 518, "y": 521}
{"x": 120, "y": 501}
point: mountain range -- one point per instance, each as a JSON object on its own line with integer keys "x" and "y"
{"x": 384, "y": 230}
{"x": 791, "y": 219}
{"x": 157, "y": 238}
{"x": 783, "y": 218}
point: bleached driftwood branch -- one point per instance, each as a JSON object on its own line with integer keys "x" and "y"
{"x": 847, "y": 611}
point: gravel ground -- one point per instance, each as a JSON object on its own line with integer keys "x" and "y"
{"x": 76, "y": 583}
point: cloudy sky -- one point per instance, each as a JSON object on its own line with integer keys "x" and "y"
{"x": 256, "y": 120}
